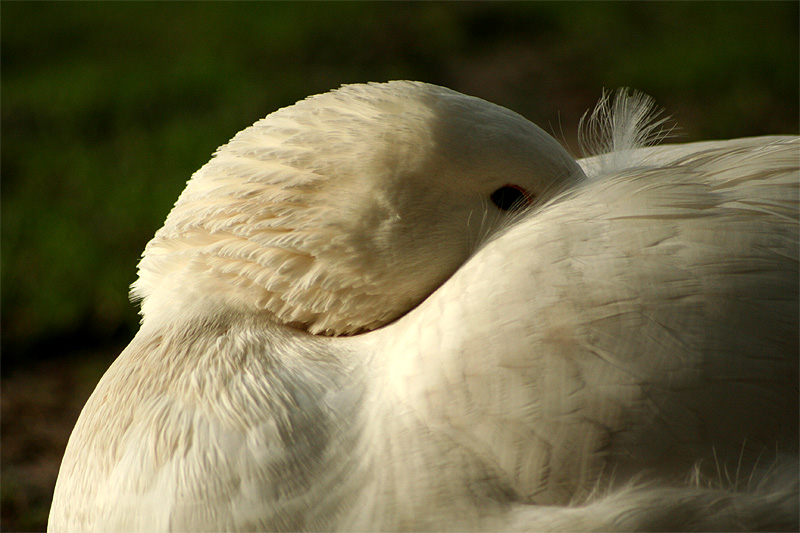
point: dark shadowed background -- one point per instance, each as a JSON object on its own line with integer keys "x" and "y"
{"x": 107, "y": 109}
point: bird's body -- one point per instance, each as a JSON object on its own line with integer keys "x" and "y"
{"x": 565, "y": 368}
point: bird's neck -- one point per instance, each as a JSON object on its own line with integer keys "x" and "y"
{"x": 282, "y": 397}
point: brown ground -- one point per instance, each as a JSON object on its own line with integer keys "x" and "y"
{"x": 40, "y": 405}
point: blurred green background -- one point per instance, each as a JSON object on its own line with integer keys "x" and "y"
{"x": 107, "y": 109}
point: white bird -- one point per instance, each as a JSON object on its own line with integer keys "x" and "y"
{"x": 394, "y": 306}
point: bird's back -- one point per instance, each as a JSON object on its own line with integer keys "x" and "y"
{"x": 644, "y": 325}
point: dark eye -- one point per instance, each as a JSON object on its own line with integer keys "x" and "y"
{"x": 511, "y": 198}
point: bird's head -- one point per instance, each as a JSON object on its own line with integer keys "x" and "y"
{"x": 342, "y": 212}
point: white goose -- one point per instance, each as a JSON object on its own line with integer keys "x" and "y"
{"x": 351, "y": 323}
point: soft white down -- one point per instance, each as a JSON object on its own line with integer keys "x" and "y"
{"x": 348, "y": 324}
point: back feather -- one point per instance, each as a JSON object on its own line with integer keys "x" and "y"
{"x": 616, "y": 128}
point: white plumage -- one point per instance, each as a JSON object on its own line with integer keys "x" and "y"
{"x": 342, "y": 331}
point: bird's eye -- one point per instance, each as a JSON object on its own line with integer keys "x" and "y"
{"x": 511, "y": 198}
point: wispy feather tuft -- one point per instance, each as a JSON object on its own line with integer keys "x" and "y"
{"x": 620, "y": 124}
